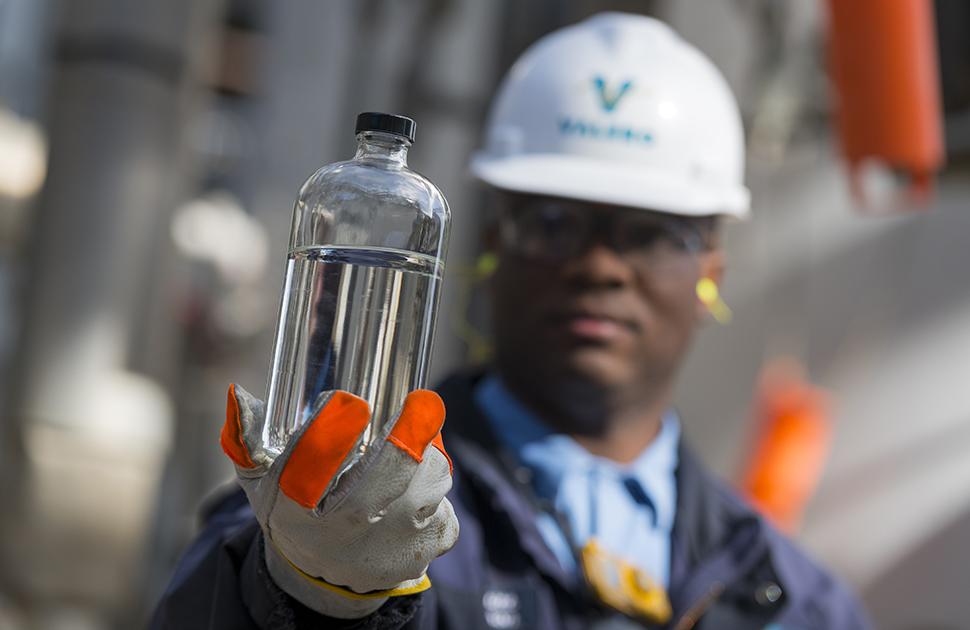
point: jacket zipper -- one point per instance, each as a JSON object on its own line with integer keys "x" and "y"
{"x": 694, "y": 613}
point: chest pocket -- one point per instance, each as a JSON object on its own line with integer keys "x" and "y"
{"x": 506, "y": 607}
{"x": 732, "y": 616}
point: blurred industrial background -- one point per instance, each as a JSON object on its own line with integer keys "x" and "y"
{"x": 150, "y": 153}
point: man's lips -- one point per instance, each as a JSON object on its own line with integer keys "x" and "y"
{"x": 594, "y": 326}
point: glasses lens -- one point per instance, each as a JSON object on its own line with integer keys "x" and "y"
{"x": 545, "y": 229}
{"x": 658, "y": 237}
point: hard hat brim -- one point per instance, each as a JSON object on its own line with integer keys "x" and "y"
{"x": 574, "y": 177}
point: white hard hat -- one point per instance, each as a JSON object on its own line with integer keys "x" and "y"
{"x": 618, "y": 109}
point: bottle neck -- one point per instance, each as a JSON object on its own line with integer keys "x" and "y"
{"x": 383, "y": 147}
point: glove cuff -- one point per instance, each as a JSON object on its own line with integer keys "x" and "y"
{"x": 329, "y": 599}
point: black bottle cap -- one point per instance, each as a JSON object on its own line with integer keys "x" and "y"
{"x": 388, "y": 123}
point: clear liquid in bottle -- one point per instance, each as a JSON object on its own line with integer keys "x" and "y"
{"x": 353, "y": 318}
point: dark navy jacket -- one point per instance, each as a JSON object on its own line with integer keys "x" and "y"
{"x": 729, "y": 569}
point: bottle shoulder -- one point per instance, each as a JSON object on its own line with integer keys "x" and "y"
{"x": 355, "y": 203}
{"x": 344, "y": 183}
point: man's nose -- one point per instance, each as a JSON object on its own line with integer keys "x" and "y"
{"x": 598, "y": 265}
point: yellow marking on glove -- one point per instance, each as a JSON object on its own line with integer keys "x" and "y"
{"x": 412, "y": 586}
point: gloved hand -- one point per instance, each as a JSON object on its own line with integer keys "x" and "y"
{"x": 343, "y": 546}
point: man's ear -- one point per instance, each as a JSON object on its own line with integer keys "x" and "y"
{"x": 711, "y": 271}
{"x": 490, "y": 237}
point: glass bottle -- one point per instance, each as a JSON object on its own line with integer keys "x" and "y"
{"x": 363, "y": 275}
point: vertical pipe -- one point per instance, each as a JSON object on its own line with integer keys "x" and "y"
{"x": 117, "y": 107}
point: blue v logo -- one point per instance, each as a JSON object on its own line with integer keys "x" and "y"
{"x": 610, "y": 99}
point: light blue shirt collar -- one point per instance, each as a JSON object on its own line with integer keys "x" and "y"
{"x": 595, "y": 493}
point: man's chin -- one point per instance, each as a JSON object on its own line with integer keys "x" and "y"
{"x": 597, "y": 367}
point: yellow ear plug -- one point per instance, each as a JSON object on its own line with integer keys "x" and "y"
{"x": 709, "y": 295}
{"x": 486, "y": 265}
{"x": 471, "y": 276}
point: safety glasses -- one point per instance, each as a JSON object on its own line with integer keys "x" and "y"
{"x": 553, "y": 229}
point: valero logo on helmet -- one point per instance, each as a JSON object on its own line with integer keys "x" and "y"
{"x": 608, "y": 100}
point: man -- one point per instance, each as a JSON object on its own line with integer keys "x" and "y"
{"x": 614, "y": 148}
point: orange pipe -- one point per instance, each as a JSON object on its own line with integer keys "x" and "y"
{"x": 886, "y": 74}
{"x": 791, "y": 442}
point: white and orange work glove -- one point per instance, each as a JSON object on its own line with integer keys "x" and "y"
{"x": 343, "y": 547}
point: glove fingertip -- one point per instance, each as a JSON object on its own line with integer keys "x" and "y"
{"x": 322, "y": 448}
{"x": 420, "y": 421}
{"x": 231, "y": 437}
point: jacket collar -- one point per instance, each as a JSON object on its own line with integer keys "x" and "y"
{"x": 717, "y": 543}
{"x": 481, "y": 460}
